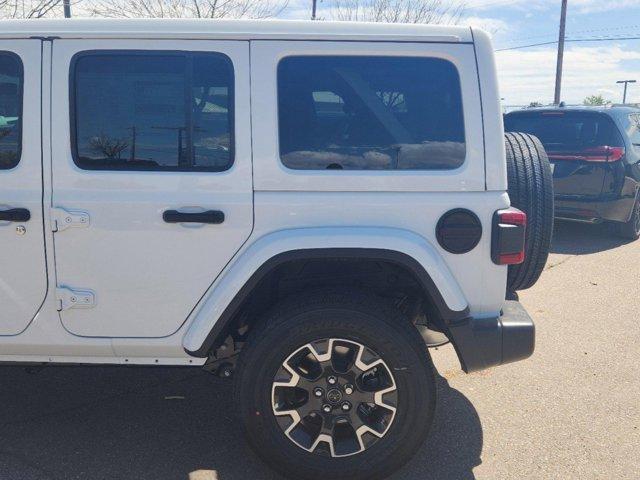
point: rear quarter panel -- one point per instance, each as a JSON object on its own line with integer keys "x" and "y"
{"x": 410, "y": 200}
{"x": 482, "y": 283}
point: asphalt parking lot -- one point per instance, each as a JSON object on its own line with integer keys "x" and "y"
{"x": 571, "y": 411}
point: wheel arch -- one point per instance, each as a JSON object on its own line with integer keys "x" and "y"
{"x": 405, "y": 249}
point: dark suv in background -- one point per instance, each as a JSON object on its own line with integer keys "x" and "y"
{"x": 595, "y": 157}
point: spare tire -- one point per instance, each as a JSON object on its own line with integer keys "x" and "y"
{"x": 530, "y": 190}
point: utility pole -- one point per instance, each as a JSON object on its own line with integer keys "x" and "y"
{"x": 67, "y": 8}
{"x": 624, "y": 95}
{"x": 563, "y": 21}
{"x": 132, "y": 157}
{"x": 313, "y": 9}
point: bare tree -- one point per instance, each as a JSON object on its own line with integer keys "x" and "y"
{"x": 110, "y": 147}
{"x": 30, "y": 8}
{"x": 187, "y": 8}
{"x": 398, "y": 11}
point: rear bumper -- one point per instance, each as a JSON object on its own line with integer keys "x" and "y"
{"x": 487, "y": 342}
{"x": 593, "y": 211}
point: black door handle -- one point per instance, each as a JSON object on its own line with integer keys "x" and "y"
{"x": 210, "y": 216}
{"x": 15, "y": 215}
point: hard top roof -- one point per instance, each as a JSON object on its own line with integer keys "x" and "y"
{"x": 231, "y": 29}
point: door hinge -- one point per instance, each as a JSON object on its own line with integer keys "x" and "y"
{"x": 67, "y": 298}
{"x": 62, "y": 219}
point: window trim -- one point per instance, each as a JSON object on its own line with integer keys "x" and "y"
{"x": 187, "y": 54}
{"x": 14, "y": 55}
{"x": 413, "y": 170}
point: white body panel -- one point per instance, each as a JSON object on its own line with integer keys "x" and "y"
{"x": 23, "y": 277}
{"x": 160, "y": 287}
{"x": 496, "y": 169}
{"x": 151, "y": 274}
{"x": 295, "y": 221}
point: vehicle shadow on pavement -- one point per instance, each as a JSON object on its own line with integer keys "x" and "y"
{"x": 454, "y": 445}
{"x": 127, "y": 423}
{"x": 570, "y": 238}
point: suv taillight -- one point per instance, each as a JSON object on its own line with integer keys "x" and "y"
{"x": 591, "y": 154}
{"x": 507, "y": 245}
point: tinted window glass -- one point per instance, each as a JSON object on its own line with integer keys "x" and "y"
{"x": 10, "y": 110}
{"x": 370, "y": 113}
{"x": 634, "y": 130}
{"x": 153, "y": 111}
{"x": 566, "y": 131}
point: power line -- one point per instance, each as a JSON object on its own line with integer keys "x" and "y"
{"x": 576, "y": 32}
{"x": 602, "y": 39}
{"x": 604, "y": 29}
{"x": 555, "y": 42}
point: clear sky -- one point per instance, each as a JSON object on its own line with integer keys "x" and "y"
{"x": 528, "y": 74}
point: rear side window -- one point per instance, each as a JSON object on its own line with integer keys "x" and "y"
{"x": 11, "y": 80}
{"x": 370, "y": 113}
{"x": 161, "y": 111}
{"x": 567, "y": 131}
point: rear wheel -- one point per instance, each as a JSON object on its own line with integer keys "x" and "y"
{"x": 335, "y": 385}
{"x": 530, "y": 190}
{"x": 630, "y": 229}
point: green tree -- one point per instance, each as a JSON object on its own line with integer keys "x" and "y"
{"x": 595, "y": 100}
{"x": 535, "y": 104}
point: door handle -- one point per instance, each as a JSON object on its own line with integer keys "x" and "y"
{"x": 214, "y": 217}
{"x": 15, "y": 215}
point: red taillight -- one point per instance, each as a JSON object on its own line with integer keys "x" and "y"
{"x": 592, "y": 154}
{"x": 511, "y": 258}
{"x": 508, "y": 242}
{"x": 615, "y": 153}
{"x": 512, "y": 216}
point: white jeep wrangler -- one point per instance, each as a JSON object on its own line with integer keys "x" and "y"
{"x": 306, "y": 206}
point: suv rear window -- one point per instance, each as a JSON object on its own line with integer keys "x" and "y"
{"x": 566, "y": 131}
{"x": 10, "y": 110}
{"x": 152, "y": 111}
{"x": 370, "y": 113}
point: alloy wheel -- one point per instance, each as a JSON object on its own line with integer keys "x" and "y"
{"x": 334, "y": 397}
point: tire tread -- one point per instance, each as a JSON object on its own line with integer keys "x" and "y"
{"x": 531, "y": 190}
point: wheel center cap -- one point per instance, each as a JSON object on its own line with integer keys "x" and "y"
{"x": 334, "y": 395}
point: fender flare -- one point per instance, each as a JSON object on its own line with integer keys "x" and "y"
{"x": 234, "y": 285}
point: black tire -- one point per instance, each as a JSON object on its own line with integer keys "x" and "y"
{"x": 355, "y": 317}
{"x": 530, "y": 190}
{"x": 631, "y": 229}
